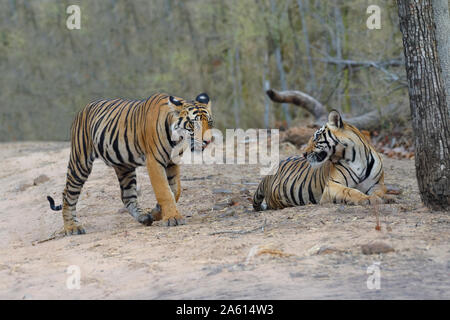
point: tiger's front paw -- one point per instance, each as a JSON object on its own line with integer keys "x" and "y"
{"x": 145, "y": 219}
{"x": 373, "y": 199}
{"x": 156, "y": 213}
{"x": 174, "y": 219}
{"x": 389, "y": 199}
{"x": 74, "y": 229}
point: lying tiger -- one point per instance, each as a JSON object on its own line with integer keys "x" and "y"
{"x": 126, "y": 134}
{"x": 339, "y": 165}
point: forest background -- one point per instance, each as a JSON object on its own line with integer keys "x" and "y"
{"x": 233, "y": 50}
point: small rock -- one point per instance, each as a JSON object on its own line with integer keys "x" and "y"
{"x": 320, "y": 250}
{"x": 326, "y": 250}
{"x": 376, "y": 247}
{"x": 41, "y": 179}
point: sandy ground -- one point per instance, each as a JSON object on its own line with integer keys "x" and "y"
{"x": 224, "y": 251}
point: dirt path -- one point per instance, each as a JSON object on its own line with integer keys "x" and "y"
{"x": 230, "y": 253}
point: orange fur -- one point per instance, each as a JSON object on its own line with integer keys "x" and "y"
{"x": 338, "y": 165}
{"x": 126, "y": 134}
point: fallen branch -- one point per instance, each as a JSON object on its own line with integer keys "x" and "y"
{"x": 300, "y": 99}
{"x": 53, "y": 236}
{"x": 365, "y": 63}
{"x": 369, "y": 121}
{"x": 380, "y": 65}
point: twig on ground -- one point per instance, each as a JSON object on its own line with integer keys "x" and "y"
{"x": 44, "y": 240}
{"x": 52, "y": 237}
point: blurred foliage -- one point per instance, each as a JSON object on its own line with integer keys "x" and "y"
{"x": 132, "y": 49}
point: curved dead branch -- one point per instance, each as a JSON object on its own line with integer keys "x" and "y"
{"x": 368, "y": 121}
{"x": 300, "y": 99}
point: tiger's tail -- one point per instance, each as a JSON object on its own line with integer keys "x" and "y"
{"x": 258, "y": 197}
{"x": 52, "y": 204}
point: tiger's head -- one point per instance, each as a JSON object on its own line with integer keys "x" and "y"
{"x": 334, "y": 141}
{"x": 194, "y": 121}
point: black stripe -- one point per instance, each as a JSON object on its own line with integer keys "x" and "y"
{"x": 369, "y": 166}
{"x": 169, "y": 138}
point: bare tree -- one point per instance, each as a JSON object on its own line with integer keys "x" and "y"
{"x": 442, "y": 21}
{"x": 279, "y": 60}
{"x": 302, "y": 8}
{"x": 266, "y": 86}
{"x": 429, "y": 109}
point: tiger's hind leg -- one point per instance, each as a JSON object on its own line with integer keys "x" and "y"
{"x": 77, "y": 174}
{"x": 127, "y": 181}
{"x": 338, "y": 193}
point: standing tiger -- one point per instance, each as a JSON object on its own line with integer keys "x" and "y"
{"x": 126, "y": 134}
{"x": 339, "y": 165}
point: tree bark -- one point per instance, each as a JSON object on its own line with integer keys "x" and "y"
{"x": 442, "y": 21}
{"x": 429, "y": 109}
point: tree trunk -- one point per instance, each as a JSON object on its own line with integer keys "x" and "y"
{"x": 302, "y": 9}
{"x": 442, "y": 21}
{"x": 234, "y": 79}
{"x": 429, "y": 110}
{"x": 266, "y": 86}
{"x": 279, "y": 61}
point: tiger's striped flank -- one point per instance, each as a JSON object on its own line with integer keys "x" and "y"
{"x": 126, "y": 134}
{"x": 339, "y": 165}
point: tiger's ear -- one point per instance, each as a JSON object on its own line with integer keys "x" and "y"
{"x": 202, "y": 98}
{"x": 175, "y": 101}
{"x": 335, "y": 119}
